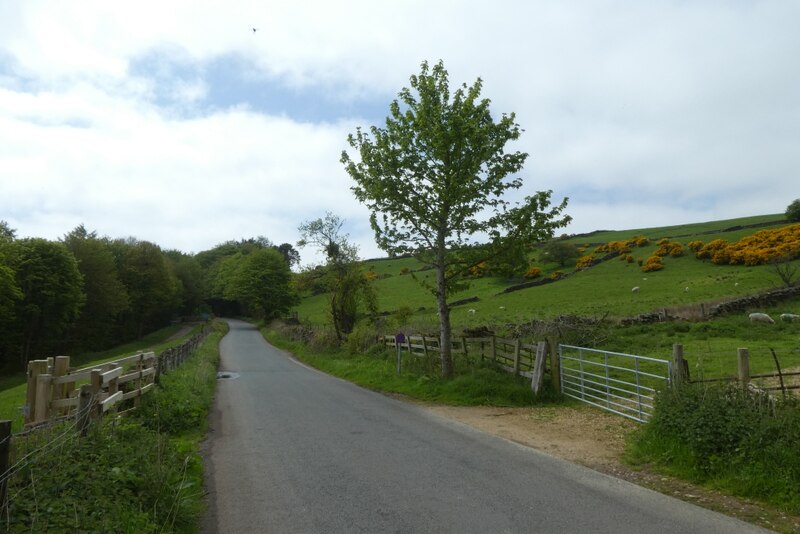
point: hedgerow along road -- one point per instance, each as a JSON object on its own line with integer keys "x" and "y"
{"x": 291, "y": 449}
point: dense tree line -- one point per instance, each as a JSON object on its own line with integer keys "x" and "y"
{"x": 86, "y": 293}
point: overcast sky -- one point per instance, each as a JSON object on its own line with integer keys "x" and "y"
{"x": 175, "y": 123}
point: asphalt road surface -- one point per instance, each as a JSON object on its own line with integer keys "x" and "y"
{"x": 294, "y": 450}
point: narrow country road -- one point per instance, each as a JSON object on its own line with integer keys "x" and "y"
{"x": 294, "y": 450}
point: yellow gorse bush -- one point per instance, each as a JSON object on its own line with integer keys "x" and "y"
{"x": 585, "y": 261}
{"x": 533, "y": 272}
{"x": 757, "y": 249}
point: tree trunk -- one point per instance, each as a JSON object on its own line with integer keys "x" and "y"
{"x": 445, "y": 333}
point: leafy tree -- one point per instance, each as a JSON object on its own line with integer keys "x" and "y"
{"x": 793, "y": 211}
{"x": 190, "y": 278}
{"x": 560, "y": 252}
{"x": 261, "y": 282}
{"x": 10, "y": 295}
{"x": 219, "y": 265}
{"x": 348, "y": 287}
{"x": 289, "y": 253}
{"x": 152, "y": 287}
{"x": 106, "y": 295}
{"x": 435, "y": 177}
{"x": 6, "y": 232}
{"x": 51, "y": 284}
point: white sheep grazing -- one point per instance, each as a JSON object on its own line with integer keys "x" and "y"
{"x": 502, "y": 307}
{"x": 471, "y": 311}
{"x": 760, "y": 318}
{"x": 635, "y": 289}
{"x": 685, "y": 289}
{"x": 789, "y": 317}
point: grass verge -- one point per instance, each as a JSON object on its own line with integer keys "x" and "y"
{"x": 376, "y": 369}
{"x": 140, "y": 473}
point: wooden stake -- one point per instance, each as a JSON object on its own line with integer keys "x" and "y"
{"x": 5, "y": 450}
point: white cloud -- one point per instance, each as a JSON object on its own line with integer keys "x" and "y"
{"x": 642, "y": 113}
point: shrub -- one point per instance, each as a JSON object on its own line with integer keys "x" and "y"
{"x": 729, "y": 437}
{"x": 556, "y": 275}
{"x": 585, "y": 261}
{"x": 405, "y": 270}
{"x": 362, "y": 338}
{"x": 758, "y": 249}
{"x": 653, "y": 264}
{"x": 695, "y": 246}
{"x": 533, "y": 272}
{"x": 477, "y": 271}
{"x": 793, "y": 211}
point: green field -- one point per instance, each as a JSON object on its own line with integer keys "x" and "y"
{"x": 686, "y": 285}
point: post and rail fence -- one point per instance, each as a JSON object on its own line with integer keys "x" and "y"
{"x": 512, "y": 355}
{"x": 56, "y": 392}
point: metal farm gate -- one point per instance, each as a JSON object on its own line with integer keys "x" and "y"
{"x": 620, "y": 383}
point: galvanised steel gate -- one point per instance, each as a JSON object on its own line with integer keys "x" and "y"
{"x": 624, "y": 384}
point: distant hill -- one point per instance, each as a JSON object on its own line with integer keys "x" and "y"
{"x": 603, "y": 290}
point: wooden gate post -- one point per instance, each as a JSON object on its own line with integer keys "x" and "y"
{"x": 516, "y": 357}
{"x": 680, "y": 367}
{"x": 537, "y": 380}
{"x": 555, "y": 364}
{"x": 5, "y": 450}
{"x": 743, "y": 356}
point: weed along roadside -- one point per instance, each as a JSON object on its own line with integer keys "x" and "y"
{"x": 140, "y": 472}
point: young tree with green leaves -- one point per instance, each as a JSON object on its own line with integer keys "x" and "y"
{"x": 559, "y": 252}
{"x": 435, "y": 177}
{"x": 348, "y": 287}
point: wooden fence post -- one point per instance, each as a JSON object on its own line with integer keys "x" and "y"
{"x": 96, "y": 384}
{"x": 84, "y": 406}
{"x": 424, "y": 347}
{"x": 744, "y": 366}
{"x": 43, "y": 395}
{"x": 5, "y": 449}
{"x": 493, "y": 346}
{"x": 680, "y": 367}
{"x": 35, "y": 368}
{"x": 516, "y": 357}
{"x": 60, "y": 368}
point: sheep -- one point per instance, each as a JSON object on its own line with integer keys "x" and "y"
{"x": 789, "y": 317}
{"x": 635, "y": 289}
{"x": 502, "y": 307}
{"x": 471, "y": 311}
{"x": 686, "y": 289}
{"x": 760, "y": 318}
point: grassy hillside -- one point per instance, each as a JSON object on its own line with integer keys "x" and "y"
{"x": 605, "y": 291}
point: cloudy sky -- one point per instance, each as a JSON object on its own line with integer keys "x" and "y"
{"x": 174, "y": 122}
